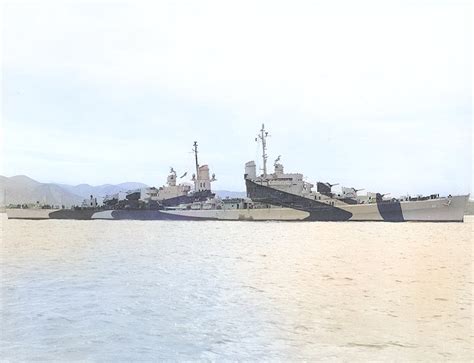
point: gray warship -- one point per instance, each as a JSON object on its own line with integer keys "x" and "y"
{"x": 271, "y": 196}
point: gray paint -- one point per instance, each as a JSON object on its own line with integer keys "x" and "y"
{"x": 318, "y": 211}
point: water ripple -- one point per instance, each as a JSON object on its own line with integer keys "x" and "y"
{"x": 164, "y": 290}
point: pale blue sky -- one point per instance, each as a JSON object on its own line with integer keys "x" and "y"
{"x": 373, "y": 94}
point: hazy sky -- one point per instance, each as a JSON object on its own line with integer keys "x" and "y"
{"x": 373, "y": 94}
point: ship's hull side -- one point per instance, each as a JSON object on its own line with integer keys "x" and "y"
{"x": 433, "y": 210}
{"x": 436, "y": 210}
{"x": 261, "y": 214}
{"x": 80, "y": 214}
{"x": 30, "y": 213}
{"x": 264, "y": 214}
{"x": 318, "y": 211}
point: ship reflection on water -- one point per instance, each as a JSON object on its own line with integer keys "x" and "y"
{"x": 133, "y": 290}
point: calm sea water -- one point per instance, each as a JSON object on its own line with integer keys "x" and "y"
{"x": 131, "y": 290}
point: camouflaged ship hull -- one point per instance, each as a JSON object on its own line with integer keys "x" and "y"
{"x": 285, "y": 208}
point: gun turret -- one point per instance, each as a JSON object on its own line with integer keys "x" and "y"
{"x": 325, "y": 188}
{"x": 379, "y": 196}
{"x": 350, "y": 192}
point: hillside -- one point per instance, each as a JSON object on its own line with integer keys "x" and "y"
{"x": 22, "y": 189}
{"x": 85, "y": 190}
{"x": 230, "y": 194}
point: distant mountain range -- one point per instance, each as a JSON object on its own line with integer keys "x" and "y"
{"x": 86, "y": 190}
{"x": 229, "y": 194}
{"x": 22, "y": 189}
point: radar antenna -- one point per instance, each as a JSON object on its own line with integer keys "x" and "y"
{"x": 263, "y": 137}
